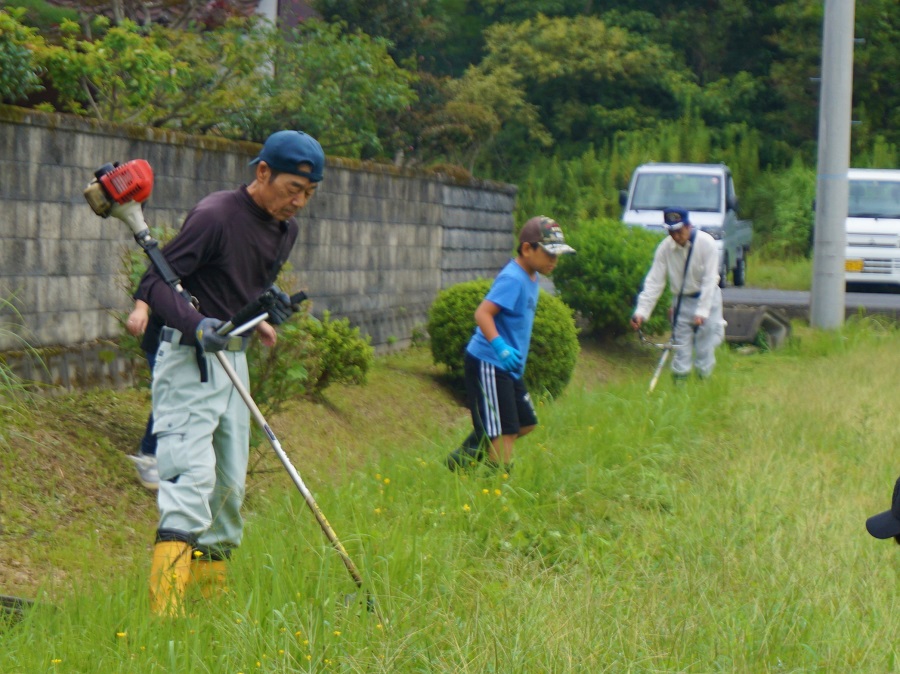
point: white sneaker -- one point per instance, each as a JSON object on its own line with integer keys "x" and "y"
{"x": 146, "y": 469}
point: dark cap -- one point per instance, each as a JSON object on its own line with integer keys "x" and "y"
{"x": 675, "y": 218}
{"x": 544, "y": 231}
{"x": 286, "y": 151}
{"x": 887, "y": 524}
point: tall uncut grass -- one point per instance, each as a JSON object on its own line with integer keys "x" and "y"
{"x": 715, "y": 527}
{"x": 14, "y": 394}
{"x": 791, "y": 274}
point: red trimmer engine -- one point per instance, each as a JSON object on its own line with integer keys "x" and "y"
{"x": 132, "y": 181}
{"x": 119, "y": 183}
{"x": 119, "y": 189}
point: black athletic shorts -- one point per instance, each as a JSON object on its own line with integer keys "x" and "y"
{"x": 499, "y": 403}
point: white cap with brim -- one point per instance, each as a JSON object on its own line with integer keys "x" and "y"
{"x": 558, "y": 248}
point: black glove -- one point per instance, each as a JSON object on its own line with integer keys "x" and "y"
{"x": 281, "y": 308}
{"x": 207, "y": 337}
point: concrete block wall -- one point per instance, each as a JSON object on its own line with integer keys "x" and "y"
{"x": 376, "y": 243}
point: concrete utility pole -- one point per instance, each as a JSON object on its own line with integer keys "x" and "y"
{"x": 835, "y": 102}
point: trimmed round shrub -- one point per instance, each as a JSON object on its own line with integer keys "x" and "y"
{"x": 554, "y": 347}
{"x": 451, "y": 322}
{"x": 601, "y": 282}
{"x": 554, "y": 340}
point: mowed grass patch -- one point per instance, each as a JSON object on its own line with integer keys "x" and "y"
{"x": 714, "y": 527}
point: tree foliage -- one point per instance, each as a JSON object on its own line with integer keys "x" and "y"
{"x": 570, "y": 82}
{"x": 409, "y": 26}
{"x": 345, "y": 89}
{"x": 480, "y": 105}
{"x": 18, "y": 70}
{"x": 114, "y": 78}
{"x": 242, "y": 80}
{"x": 178, "y": 14}
{"x": 217, "y": 73}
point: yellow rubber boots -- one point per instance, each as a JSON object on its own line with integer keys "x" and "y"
{"x": 209, "y": 576}
{"x": 169, "y": 576}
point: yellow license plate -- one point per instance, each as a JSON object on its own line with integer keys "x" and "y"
{"x": 853, "y": 265}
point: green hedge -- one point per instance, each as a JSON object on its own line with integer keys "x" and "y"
{"x": 602, "y": 281}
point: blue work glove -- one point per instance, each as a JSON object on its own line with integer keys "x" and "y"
{"x": 510, "y": 358}
{"x": 207, "y": 337}
{"x": 281, "y": 309}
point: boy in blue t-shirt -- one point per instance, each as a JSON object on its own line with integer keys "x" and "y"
{"x": 495, "y": 357}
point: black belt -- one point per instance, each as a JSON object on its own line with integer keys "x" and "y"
{"x": 173, "y": 337}
{"x": 693, "y": 296}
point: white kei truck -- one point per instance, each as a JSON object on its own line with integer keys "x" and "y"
{"x": 873, "y": 227}
{"x": 707, "y": 192}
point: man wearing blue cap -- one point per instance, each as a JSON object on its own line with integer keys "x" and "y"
{"x": 689, "y": 259}
{"x": 227, "y": 253}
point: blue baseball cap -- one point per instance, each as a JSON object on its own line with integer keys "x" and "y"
{"x": 675, "y": 218}
{"x": 286, "y": 151}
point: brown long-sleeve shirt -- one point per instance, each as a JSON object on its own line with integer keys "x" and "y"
{"x": 228, "y": 252}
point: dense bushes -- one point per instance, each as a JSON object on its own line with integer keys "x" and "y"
{"x": 603, "y": 279}
{"x": 554, "y": 341}
{"x": 310, "y": 355}
{"x": 782, "y": 207}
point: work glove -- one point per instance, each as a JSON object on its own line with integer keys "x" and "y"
{"x": 207, "y": 337}
{"x": 510, "y": 358}
{"x": 281, "y": 308}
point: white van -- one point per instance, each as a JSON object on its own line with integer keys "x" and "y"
{"x": 873, "y": 226}
{"x": 707, "y": 192}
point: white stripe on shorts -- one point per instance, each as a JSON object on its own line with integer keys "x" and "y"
{"x": 491, "y": 410}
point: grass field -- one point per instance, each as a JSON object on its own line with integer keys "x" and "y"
{"x": 794, "y": 274}
{"x": 715, "y": 527}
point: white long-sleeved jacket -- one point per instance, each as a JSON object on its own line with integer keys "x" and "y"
{"x": 668, "y": 261}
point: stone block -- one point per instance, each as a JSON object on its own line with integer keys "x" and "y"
{"x": 8, "y": 133}
{"x": 750, "y": 324}
{"x": 50, "y": 217}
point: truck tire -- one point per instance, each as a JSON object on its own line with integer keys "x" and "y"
{"x": 723, "y": 272}
{"x": 740, "y": 270}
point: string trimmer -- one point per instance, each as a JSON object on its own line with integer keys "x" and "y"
{"x": 666, "y": 348}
